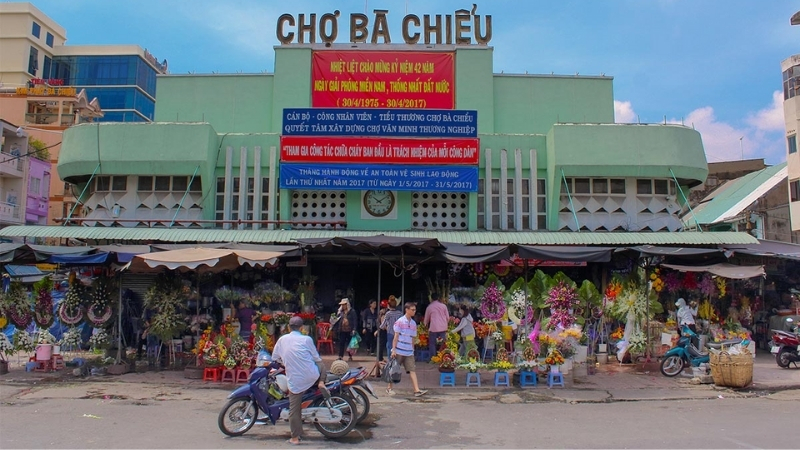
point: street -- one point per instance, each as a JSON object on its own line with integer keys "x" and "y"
{"x": 104, "y": 413}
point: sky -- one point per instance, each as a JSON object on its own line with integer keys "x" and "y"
{"x": 710, "y": 64}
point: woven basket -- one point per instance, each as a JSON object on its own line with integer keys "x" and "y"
{"x": 732, "y": 370}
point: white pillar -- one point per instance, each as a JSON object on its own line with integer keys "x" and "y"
{"x": 534, "y": 208}
{"x": 242, "y": 186}
{"x": 518, "y": 189}
{"x": 487, "y": 190}
{"x": 273, "y": 187}
{"x": 257, "y": 193}
{"x": 228, "y": 195}
{"x": 504, "y": 189}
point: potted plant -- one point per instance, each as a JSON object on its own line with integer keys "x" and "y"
{"x": 472, "y": 366}
{"x": 6, "y": 350}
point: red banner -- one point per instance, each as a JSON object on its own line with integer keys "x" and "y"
{"x": 375, "y": 79}
{"x": 378, "y": 150}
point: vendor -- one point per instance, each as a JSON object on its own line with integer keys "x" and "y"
{"x": 245, "y": 315}
{"x": 686, "y": 314}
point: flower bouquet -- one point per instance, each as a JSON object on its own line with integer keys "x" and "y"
{"x": 422, "y": 336}
{"x": 447, "y": 362}
{"x": 17, "y": 305}
{"x": 270, "y": 293}
{"x": 43, "y": 308}
{"x": 71, "y": 339}
{"x": 472, "y": 366}
{"x": 309, "y": 318}
{"x": 23, "y": 342}
{"x": 502, "y": 366}
{"x": 99, "y": 340}
{"x": 554, "y": 358}
{"x": 492, "y": 305}
{"x": 527, "y": 366}
{"x": 44, "y": 337}
{"x": 484, "y": 328}
{"x": 99, "y": 312}
{"x": 71, "y": 310}
{"x": 229, "y": 296}
{"x": 6, "y": 348}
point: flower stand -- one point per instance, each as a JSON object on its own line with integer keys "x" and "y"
{"x": 212, "y": 373}
{"x": 501, "y": 379}
{"x": 473, "y": 379}
{"x": 242, "y": 375}
{"x": 228, "y": 376}
{"x": 527, "y": 378}
{"x": 447, "y": 379}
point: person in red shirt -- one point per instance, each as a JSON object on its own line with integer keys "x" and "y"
{"x": 436, "y": 317}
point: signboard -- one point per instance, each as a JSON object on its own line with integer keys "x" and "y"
{"x": 377, "y": 79}
{"x": 332, "y": 149}
{"x": 371, "y": 122}
{"x": 41, "y": 90}
{"x": 362, "y": 176}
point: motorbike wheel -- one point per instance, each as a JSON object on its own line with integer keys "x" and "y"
{"x": 237, "y": 416}
{"x": 672, "y": 366}
{"x": 783, "y": 357}
{"x": 349, "y": 415}
{"x": 361, "y": 400}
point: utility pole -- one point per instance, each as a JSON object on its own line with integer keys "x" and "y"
{"x": 741, "y": 147}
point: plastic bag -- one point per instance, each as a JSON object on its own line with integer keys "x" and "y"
{"x": 391, "y": 372}
{"x": 354, "y": 341}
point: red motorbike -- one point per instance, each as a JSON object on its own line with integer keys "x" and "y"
{"x": 785, "y": 346}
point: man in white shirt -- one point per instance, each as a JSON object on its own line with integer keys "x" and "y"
{"x": 303, "y": 368}
{"x": 405, "y": 329}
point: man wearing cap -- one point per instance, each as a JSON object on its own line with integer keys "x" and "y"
{"x": 346, "y": 325}
{"x": 304, "y": 368}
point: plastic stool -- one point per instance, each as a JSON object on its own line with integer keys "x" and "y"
{"x": 228, "y": 376}
{"x": 242, "y": 375}
{"x": 423, "y": 355}
{"x": 57, "y": 361}
{"x": 447, "y": 379}
{"x": 501, "y": 379}
{"x": 488, "y": 352}
{"x": 527, "y": 378}
{"x": 473, "y": 379}
{"x": 45, "y": 365}
{"x": 211, "y": 374}
{"x": 555, "y": 379}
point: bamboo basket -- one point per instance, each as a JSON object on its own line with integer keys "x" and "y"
{"x": 732, "y": 370}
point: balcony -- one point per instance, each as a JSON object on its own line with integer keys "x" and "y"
{"x": 11, "y": 165}
{"x": 49, "y": 119}
{"x": 9, "y": 213}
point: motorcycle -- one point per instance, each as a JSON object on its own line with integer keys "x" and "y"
{"x": 355, "y": 385}
{"x": 685, "y": 353}
{"x": 786, "y": 347}
{"x": 332, "y": 413}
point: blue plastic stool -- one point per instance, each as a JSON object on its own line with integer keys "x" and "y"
{"x": 501, "y": 379}
{"x": 527, "y": 378}
{"x": 555, "y": 379}
{"x": 488, "y": 352}
{"x": 473, "y": 379}
{"x": 447, "y": 379}
{"x": 423, "y": 355}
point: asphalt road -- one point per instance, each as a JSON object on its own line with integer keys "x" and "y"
{"x": 103, "y": 414}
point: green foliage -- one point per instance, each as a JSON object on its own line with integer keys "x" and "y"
{"x": 492, "y": 278}
{"x": 39, "y": 149}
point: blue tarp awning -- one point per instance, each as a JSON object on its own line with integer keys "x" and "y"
{"x": 97, "y": 258}
{"x": 22, "y": 271}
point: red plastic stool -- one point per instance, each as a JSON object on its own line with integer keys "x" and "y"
{"x": 242, "y": 375}
{"x": 45, "y": 365}
{"x": 211, "y": 374}
{"x": 57, "y": 361}
{"x": 228, "y": 376}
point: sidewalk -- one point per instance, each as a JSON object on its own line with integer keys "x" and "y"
{"x": 611, "y": 382}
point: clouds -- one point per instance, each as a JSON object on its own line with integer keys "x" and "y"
{"x": 760, "y": 135}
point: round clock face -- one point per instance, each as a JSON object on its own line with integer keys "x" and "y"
{"x": 379, "y": 203}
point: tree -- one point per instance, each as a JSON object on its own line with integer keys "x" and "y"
{"x": 38, "y": 149}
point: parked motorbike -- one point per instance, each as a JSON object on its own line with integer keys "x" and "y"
{"x": 786, "y": 347}
{"x": 332, "y": 413}
{"x": 685, "y": 353}
{"x": 355, "y": 385}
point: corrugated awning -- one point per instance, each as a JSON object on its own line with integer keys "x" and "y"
{"x": 768, "y": 248}
{"x": 177, "y": 235}
{"x": 723, "y": 270}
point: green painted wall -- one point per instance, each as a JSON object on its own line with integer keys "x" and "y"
{"x": 230, "y": 103}
{"x": 531, "y": 104}
{"x": 474, "y": 85}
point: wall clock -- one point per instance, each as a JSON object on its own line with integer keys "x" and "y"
{"x": 379, "y": 203}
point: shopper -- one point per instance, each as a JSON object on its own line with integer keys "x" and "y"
{"x": 345, "y": 326}
{"x": 467, "y": 330}
{"x": 387, "y": 324}
{"x": 369, "y": 320}
{"x": 405, "y": 330}
{"x": 244, "y": 313}
{"x": 436, "y": 317}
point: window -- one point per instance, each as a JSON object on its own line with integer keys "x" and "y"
{"x": 794, "y": 190}
{"x": 45, "y": 185}
{"x": 617, "y": 186}
{"x": 103, "y": 184}
{"x": 196, "y": 186}
{"x": 644, "y": 187}
{"x": 581, "y": 186}
{"x": 661, "y": 187}
{"x": 119, "y": 184}
{"x": 179, "y": 183}
{"x": 145, "y": 184}
{"x": 33, "y": 61}
{"x": 541, "y": 204}
{"x": 36, "y": 30}
{"x": 600, "y": 186}
{"x": 792, "y": 142}
{"x": 162, "y": 183}
{"x": 49, "y": 40}
{"x": 35, "y": 185}
{"x": 47, "y": 65}
{"x": 791, "y": 82}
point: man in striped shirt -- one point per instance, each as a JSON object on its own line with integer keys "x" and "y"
{"x": 405, "y": 329}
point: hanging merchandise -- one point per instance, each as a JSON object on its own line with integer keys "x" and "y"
{"x": 43, "y": 309}
{"x": 71, "y": 310}
{"x": 100, "y": 311}
{"x": 17, "y": 305}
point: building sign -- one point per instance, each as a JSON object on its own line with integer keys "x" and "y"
{"x": 458, "y": 28}
{"x": 336, "y": 149}
{"x": 441, "y": 123}
{"x": 375, "y": 79}
{"x": 48, "y": 81}
{"x": 388, "y": 177}
{"x": 162, "y": 67}
{"x": 46, "y": 91}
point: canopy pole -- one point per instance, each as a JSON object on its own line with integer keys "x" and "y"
{"x": 402, "y": 280}
{"x": 571, "y": 205}
{"x": 685, "y": 200}
{"x": 80, "y": 197}
{"x": 119, "y": 323}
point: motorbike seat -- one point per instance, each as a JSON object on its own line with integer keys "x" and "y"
{"x": 721, "y": 344}
{"x": 331, "y": 377}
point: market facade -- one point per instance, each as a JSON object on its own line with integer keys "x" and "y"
{"x": 401, "y": 169}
